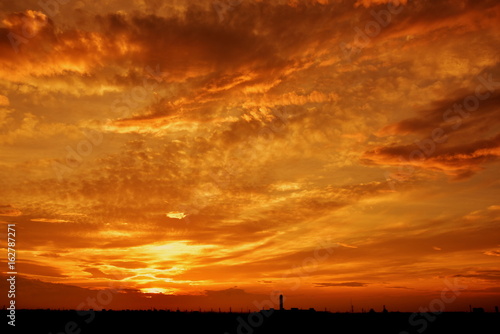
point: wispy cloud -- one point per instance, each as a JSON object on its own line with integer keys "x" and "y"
{"x": 206, "y": 157}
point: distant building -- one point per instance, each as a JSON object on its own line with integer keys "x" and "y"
{"x": 281, "y": 303}
{"x": 478, "y": 310}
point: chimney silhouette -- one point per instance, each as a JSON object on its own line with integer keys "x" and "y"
{"x": 281, "y": 303}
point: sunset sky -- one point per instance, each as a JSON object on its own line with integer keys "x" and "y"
{"x": 190, "y": 153}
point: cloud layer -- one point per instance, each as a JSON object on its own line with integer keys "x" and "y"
{"x": 317, "y": 147}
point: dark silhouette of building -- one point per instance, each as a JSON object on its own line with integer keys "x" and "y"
{"x": 478, "y": 310}
{"x": 496, "y": 309}
{"x": 281, "y": 303}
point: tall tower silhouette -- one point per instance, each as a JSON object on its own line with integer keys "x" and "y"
{"x": 281, "y": 303}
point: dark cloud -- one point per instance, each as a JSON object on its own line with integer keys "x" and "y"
{"x": 399, "y": 287}
{"x": 344, "y": 284}
{"x": 34, "y": 268}
{"x": 454, "y": 136}
{"x": 488, "y": 275}
{"x": 460, "y": 161}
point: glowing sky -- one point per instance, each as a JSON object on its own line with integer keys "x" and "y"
{"x": 195, "y": 152}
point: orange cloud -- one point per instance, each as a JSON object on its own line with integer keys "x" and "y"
{"x": 205, "y": 160}
{"x": 9, "y": 211}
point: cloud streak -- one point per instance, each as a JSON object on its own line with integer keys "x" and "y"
{"x": 229, "y": 149}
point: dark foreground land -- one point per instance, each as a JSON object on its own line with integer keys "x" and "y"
{"x": 117, "y": 322}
